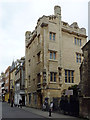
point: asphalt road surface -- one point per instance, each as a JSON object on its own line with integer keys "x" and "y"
{"x": 15, "y": 112}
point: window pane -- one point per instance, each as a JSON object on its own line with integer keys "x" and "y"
{"x": 66, "y": 76}
{"x": 50, "y": 36}
{"x": 51, "y": 76}
{"x": 72, "y": 76}
{"x": 53, "y": 36}
{"x": 50, "y": 55}
{"x": 69, "y": 76}
{"x": 54, "y": 77}
{"x": 75, "y": 40}
{"x": 54, "y": 55}
{"x": 72, "y": 73}
{"x": 66, "y": 79}
{"x": 77, "y": 58}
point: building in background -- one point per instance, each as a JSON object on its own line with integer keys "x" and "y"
{"x": 19, "y": 93}
{"x": 12, "y": 79}
{"x": 2, "y": 87}
{"x": 7, "y": 83}
{"x": 85, "y": 82}
{"x": 53, "y": 57}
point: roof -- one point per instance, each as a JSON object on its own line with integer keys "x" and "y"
{"x": 88, "y": 43}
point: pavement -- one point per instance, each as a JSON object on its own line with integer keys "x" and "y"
{"x": 46, "y": 113}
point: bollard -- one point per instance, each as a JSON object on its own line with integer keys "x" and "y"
{"x": 50, "y": 112}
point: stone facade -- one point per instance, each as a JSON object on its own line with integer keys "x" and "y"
{"x": 2, "y": 81}
{"x": 85, "y": 82}
{"x": 20, "y": 82}
{"x": 12, "y": 80}
{"x": 7, "y": 83}
{"x": 53, "y": 57}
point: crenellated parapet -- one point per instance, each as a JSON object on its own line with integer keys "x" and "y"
{"x": 73, "y": 29}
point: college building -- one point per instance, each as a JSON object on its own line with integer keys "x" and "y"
{"x": 85, "y": 82}
{"x": 52, "y": 58}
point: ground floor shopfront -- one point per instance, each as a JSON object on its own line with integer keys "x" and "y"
{"x": 19, "y": 95}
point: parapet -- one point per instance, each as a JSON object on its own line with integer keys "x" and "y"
{"x": 73, "y": 29}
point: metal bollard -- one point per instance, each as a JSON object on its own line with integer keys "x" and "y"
{"x": 50, "y": 112}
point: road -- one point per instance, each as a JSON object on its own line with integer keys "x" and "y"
{"x": 15, "y": 112}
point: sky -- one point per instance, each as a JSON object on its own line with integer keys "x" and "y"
{"x": 19, "y": 16}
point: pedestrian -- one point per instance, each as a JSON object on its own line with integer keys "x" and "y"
{"x": 66, "y": 105}
{"x": 12, "y": 103}
{"x": 51, "y": 106}
{"x": 20, "y": 103}
{"x": 44, "y": 106}
{"x": 8, "y": 100}
{"x": 62, "y": 104}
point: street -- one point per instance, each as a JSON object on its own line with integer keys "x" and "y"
{"x": 15, "y": 112}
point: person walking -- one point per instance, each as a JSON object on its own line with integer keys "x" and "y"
{"x": 20, "y": 103}
{"x": 51, "y": 106}
{"x": 50, "y": 109}
{"x": 12, "y": 103}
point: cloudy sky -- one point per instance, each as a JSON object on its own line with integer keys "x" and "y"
{"x": 19, "y": 16}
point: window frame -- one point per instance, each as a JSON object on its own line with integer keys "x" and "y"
{"x": 52, "y": 36}
{"x": 77, "y": 41}
{"x": 69, "y": 77}
{"x": 52, "y": 55}
{"x": 78, "y": 57}
{"x": 53, "y": 76}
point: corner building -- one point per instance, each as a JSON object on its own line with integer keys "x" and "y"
{"x": 53, "y": 57}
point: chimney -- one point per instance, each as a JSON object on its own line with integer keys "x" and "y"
{"x": 57, "y": 10}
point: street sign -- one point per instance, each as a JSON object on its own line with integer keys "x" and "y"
{"x": 69, "y": 92}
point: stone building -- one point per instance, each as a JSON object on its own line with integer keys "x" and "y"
{"x": 7, "y": 83}
{"x": 85, "y": 82}
{"x": 53, "y": 57}
{"x": 2, "y": 87}
{"x": 12, "y": 80}
{"x": 19, "y": 93}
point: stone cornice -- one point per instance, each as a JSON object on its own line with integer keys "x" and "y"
{"x": 74, "y": 33}
{"x": 33, "y": 37}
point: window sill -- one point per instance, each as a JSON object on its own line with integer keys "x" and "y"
{"x": 69, "y": 83}
{"x": 53, "y": 60}
{"x": 52, "y": 82}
